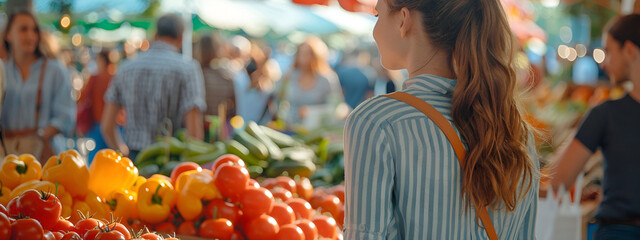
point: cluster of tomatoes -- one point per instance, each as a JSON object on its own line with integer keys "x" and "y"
{"x": 279, "y": 208}
{"x": 36, "y": 215}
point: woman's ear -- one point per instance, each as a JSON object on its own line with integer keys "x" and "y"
{"x": 630, "y": 51}
{"x": 406, "y": 22}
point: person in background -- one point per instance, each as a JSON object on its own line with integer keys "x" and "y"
{"x": 240, "y": 59}
{"x": 91, "y": 102}
{"x": 403, "y": 176}
{"x": 263, "y": 74}
{"x": 157, "y": 87}
{"x": 356, "y": 85}
{"x": 311, "y": 83}
{"x": 37, "y": 104}
{"x": 218, "y": 76}
{"x": 612, "y": 127}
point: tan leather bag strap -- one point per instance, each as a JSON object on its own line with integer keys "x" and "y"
{"x": 455, "y": 141}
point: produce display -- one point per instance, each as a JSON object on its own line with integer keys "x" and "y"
{"x": 65, "y": 199}
{"x": 267, "y": 153}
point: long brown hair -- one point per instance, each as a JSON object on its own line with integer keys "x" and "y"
{"x": 12, "y": 18}
{"x": 319, "y": 52}
{"x": 477, "y": 36}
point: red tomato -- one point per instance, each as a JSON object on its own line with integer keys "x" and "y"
{"x": 122, "y": 229}
{"x": 221, "y": 229}
{"x": 338, "y": 191}
{"x": 188, "y": 229}
{"x": 183, "y": 167}
{"x": 3, "y": 210}
{"x": 308, "y": 227}
{"x": 326, "y": 226}
{"x": 282, "y": 213}
{"x": 48, "y": 235}
{"x": 290, "y": 232}
{"x": 330, "y": 204}
{"x": 46, "y": 208}
{"x": 255, "y": 202}
{"x": 85, "y": 225}
{"x": 316, "y": 198}
{"x": 227, "y": 158}
{"x": 281, "y": 193}
{"x": 268, "y": 183}
{"x": 12, "y": 208}
{"x": 236, "y": 236}
{"x": 253, "y": 183}
{"x": 340, "y": 217}
{"x": 26, "y": 229}
{"x": 286, "y": 183}
{"x": 231, "y": 180}
{"x": 218, "y": 208}
{"x": 91, "y": 234}
{"x": 261, "y": 228}
{"x": 5, "y": 226}
{"x": 166, "y": 227}
{"x": 111, "y": 235}
{"x": 301, "y": 208}
{"x": 63, "y": 225}
{"x": 304, "y": 189}
{"x": 150, "y": 236}
{"x": 58, "y": 235}
{"x": 71, "y": 236}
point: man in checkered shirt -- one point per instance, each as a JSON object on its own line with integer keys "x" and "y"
{"x": 158, "y": 85}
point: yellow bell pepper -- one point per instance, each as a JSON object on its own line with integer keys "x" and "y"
{"x": 122, "y": 204}
{"x": 17, "y": 170}
{"x": 160, "y": 176}
{"x": 70, "y": 171}
{"x": 98, "y": 209}
{"x": 191, "y": 188}
{"x": 45, "y": 186}
{"x": 80, "y": 208}
{"x": 5, "y": 195}
{"x": 89, "y": 206}
{"x": 109, "y": 172}
{"x": 156, "y": 198}
{"x": 136, "y": 185}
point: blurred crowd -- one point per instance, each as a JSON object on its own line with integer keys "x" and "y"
{"x": 122, "y": 99}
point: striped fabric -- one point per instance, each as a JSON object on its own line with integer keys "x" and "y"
{"x": 403, "y": 179}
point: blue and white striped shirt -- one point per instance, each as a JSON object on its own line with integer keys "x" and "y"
{"x": 403, "y": 179}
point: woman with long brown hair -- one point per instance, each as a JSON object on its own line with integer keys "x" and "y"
{"x": 38, "y": 103}
{"x": 466, "y": 170}
{"x": 612, "y": 127}
{"x": 311, "y": 83}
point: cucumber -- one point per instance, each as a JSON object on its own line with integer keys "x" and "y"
{"x": 274, "y": 151}
{"x": 255, "y": 171}
{"x": 293, "y": 168}
{"x": 168, "y": 168}
{"x": 235, "y": 148}
{"x": 200, "y": 146}
{"x": 205, "y": 158}
{"x": 299, "y": 154}
{"x": 280, "y": 139}
{"x": 149, "y": 170}
{"x": 255, "y": 147}
{"x": 149, "y": 153}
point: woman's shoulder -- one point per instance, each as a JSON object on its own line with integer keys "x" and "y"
{"x": 376, "y": 109}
